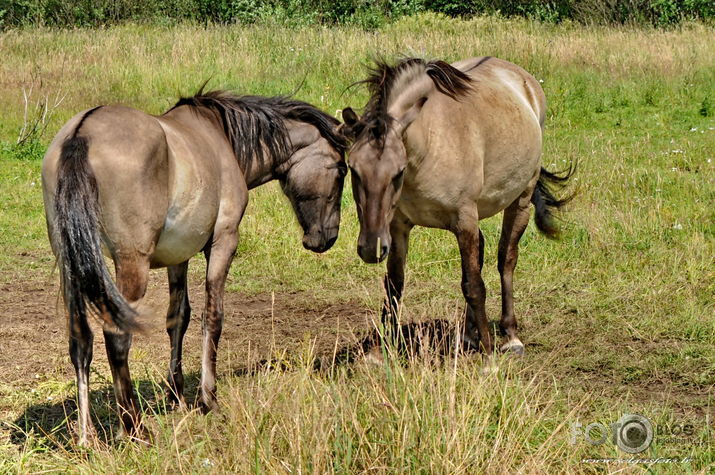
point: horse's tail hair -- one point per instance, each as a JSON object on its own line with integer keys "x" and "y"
{"x": 87, "y": 285}
{"x": 546, "y": 202}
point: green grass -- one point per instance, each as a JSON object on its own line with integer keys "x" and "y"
{"x": 617, "y": 316}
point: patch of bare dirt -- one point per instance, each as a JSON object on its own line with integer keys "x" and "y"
{"x": 34, "y": 343}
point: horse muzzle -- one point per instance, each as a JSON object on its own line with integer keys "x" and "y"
{"x": 320, "y": 241}
{"x": 373, "y": 248}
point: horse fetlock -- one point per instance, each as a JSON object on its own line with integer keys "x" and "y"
{"x": 208, "y": 405}
{"x": 374, "y": 357}
{"x": 208, "y": 402}
{"x": 175, "y": 396}
{"x": 84, "y": 436}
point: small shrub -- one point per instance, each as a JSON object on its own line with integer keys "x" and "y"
{"x": 30, "y": 150}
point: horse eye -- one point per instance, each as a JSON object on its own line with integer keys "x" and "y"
{"x": 342, "y": 170}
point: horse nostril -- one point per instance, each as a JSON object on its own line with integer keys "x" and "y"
{"x": 383, "y": 252}
{"x": 330, "y": 242}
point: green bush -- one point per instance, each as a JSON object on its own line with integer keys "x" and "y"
{"x": 365, "y": 13}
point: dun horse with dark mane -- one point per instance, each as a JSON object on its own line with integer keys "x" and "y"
{"x": 152, "y": 192}
{"x": 445, "y": 146}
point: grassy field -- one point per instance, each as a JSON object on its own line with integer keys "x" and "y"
{"x": 617, "y": 317}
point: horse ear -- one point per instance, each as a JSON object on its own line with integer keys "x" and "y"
{"x": 349, "y": 117}
{"x": 351, "y": 126}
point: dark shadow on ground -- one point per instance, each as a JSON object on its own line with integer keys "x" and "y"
{"x": 435, "y": 339}
{"x": 57, "y": 421}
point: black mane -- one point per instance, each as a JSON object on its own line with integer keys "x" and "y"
{"x": 255, "y": 125}
{"x": 447, "y": 79}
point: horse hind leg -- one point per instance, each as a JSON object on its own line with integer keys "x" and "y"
{"x": 132, "y": 279}
{"x": 516, "y": 218}
{"x": 177, "y": 321}
{"x": 80, "y": 343}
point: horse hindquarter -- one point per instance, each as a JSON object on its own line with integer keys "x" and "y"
{"x": 110, "y": 153}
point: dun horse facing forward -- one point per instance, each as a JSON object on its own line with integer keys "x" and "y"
{"x": 152, "y": 192}
{"x": 444, "y": 146}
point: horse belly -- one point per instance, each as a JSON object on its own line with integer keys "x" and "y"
{"x": 187, "y": 229}
{"x": 505, "y": 185}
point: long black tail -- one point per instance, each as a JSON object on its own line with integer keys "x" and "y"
{"x": 546, "y": 202}
{"x": 86, "y": 281}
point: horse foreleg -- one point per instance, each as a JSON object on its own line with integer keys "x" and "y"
{"x": 516, "y": 218}
{"x": 218, "y": 256}
{"x": 395, "y": 279}
{"x": 80, "y": 343}
{"x": 473, "y": 287}
{"x": 481, "y": 250}
{"x": 177, "y": 321}
{"x": 132, "y": 279}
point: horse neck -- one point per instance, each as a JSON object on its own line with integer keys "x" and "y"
{"x": 300, "y": 135}
{"x": 261, "y": 173}
{"x": 407, "y": 92}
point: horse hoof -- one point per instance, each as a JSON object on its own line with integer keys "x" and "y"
{"x": 176, "y": 404}
{"x": 88, "y": 439}
{"x": 374, "y": 357}
{"x": 513, "y": 346}
{"x": 137, "y": 434}
{"x": 208, "y": 406}
{"x": 489, "y": 367}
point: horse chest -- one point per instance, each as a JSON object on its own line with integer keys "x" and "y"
{"x": 427, "y": 210}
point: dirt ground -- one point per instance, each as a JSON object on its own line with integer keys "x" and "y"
{"x": 34, "y": 347}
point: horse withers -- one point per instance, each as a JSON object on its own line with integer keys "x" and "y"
{"x": 153, "y": 191}
{"x": 445, "y": 146}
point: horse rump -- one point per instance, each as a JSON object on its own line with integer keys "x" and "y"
{"x": 85, "y": 279}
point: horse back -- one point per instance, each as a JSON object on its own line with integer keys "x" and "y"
{"x": 490, "y": 71}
